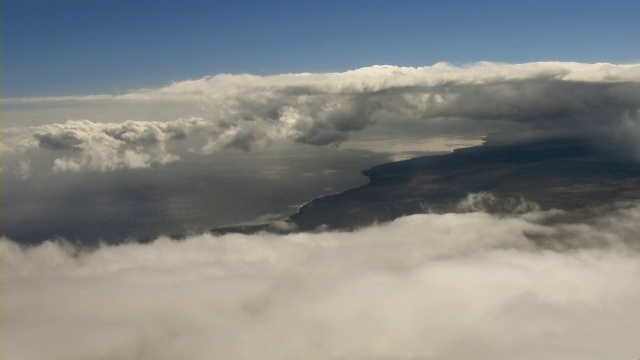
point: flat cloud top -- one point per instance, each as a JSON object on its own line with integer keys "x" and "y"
{"x": 246, "y": 111}
{"x": 376, "y": 78}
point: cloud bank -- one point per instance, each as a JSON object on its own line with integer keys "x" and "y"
{"x": 473, "y": 285}
{"x": 246, "y": 111}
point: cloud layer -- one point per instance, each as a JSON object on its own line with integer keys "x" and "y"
{"x": 473, "y": 285}
{"x": 246, "y": 111}
{"x": 452, "y": 286}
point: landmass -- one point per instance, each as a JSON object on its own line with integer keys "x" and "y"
{"x": 572, "y": 174}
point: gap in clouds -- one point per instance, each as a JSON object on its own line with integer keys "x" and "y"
{"x": 66, "y": 157}
{"x": 524, "y": 284}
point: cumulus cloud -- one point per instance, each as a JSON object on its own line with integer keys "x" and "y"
{"x": 104, "y": 147}
{"x": 472, "y": 285}
{"x": 23, "y": 171}
{"x": 245, "y": 111}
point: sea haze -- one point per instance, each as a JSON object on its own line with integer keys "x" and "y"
{"x": 180, "y": 198}
{"x": 526, "y": 247}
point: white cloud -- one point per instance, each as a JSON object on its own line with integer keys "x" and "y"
{"x": 246, "y": 111}
{"x": 105, "y": 147}
{"x": 486, "y": 201}
{"x": 23, "y": 170}
{"x": 63, "y": 164}
{"x": 428, "y": 286}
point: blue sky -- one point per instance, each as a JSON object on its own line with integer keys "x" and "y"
{"x": 76, "y": 47}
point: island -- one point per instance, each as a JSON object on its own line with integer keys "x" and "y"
{"x": 572, "y": 174}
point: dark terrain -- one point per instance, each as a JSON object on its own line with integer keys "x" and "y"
{"x": 566, "y": 173}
